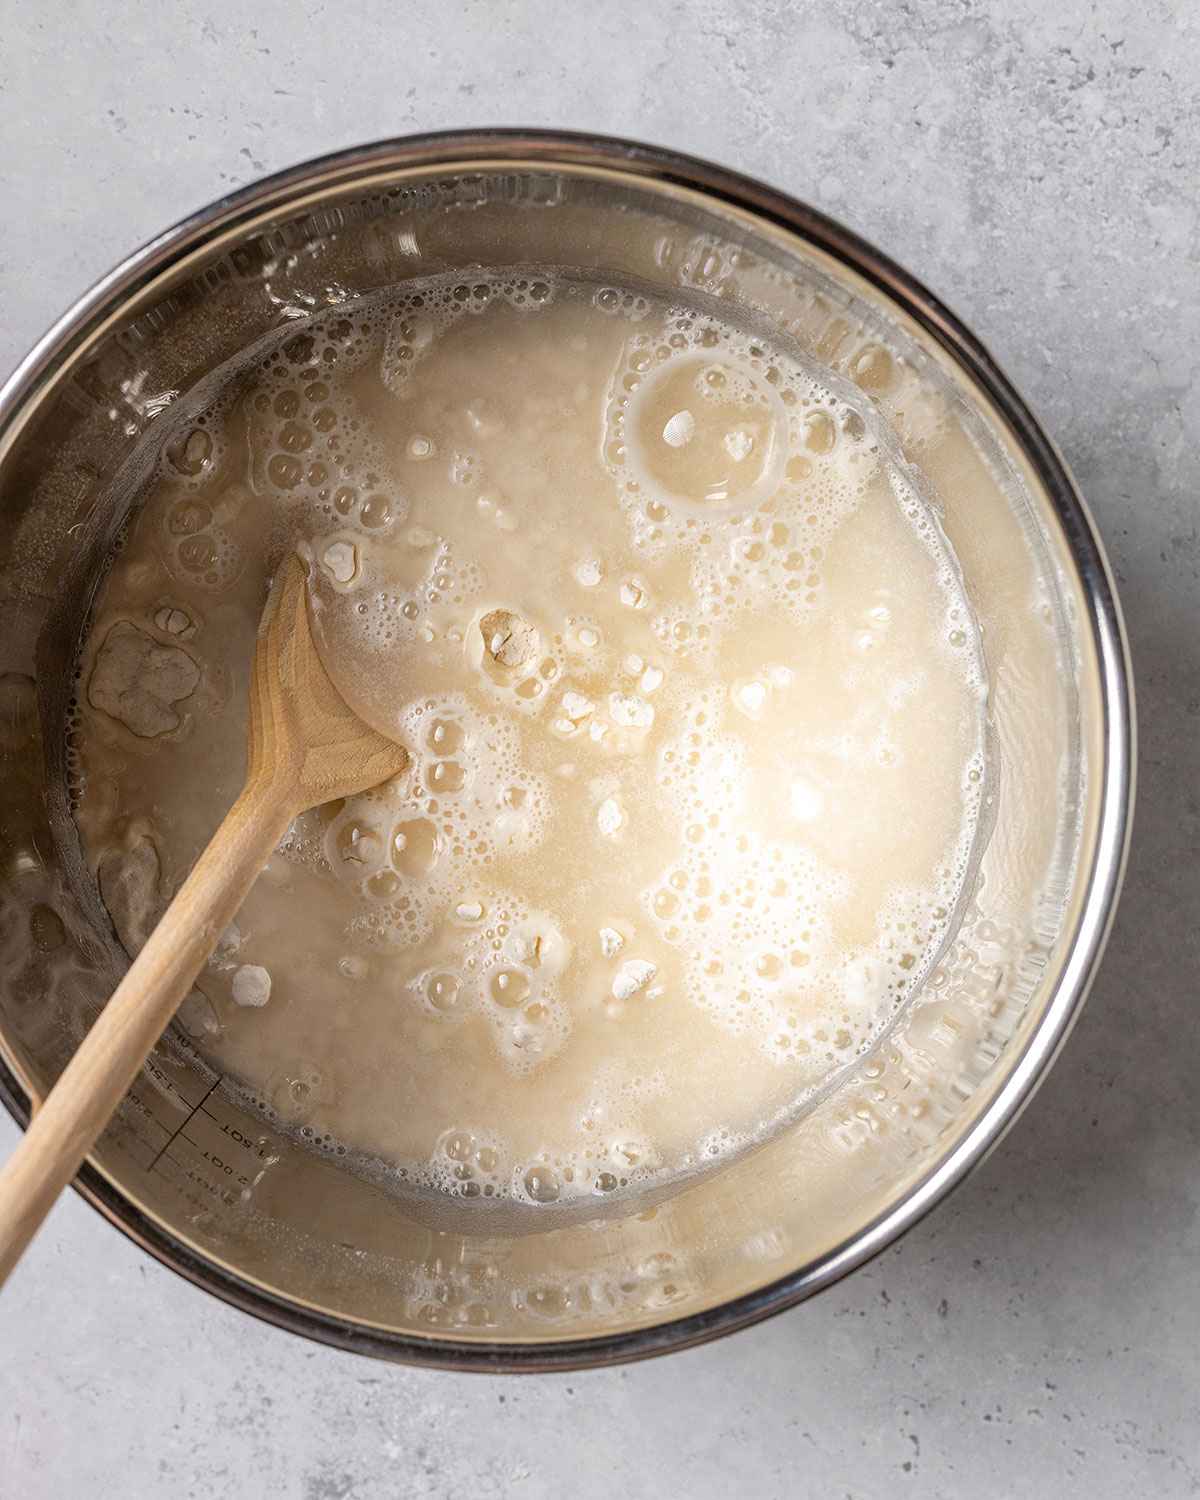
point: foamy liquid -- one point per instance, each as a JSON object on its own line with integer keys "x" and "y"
{"x": 694, "y": 703}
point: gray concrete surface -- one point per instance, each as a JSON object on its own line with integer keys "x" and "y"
{"x": 1040, "y": 1334}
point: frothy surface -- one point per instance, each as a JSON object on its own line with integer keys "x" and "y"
{"x": 695, "y": 709}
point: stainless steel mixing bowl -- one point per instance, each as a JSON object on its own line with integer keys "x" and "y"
{"x": 254, "y": 1215}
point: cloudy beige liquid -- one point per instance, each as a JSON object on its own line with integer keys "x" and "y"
{"x": 694, "y": 705}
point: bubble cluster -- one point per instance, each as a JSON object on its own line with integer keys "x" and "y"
{"x": 201, "y": 551}
{"x": 416, "y": 319}
{"x": 467, "y": 1163}
{"x": 464, "y": 800}
{"x": 516, "y": 955}
{"x": 619, "y": 302}
{"x": 500, "y": 959}
{"x": 754, "y": 918}
{"x": 312, "y": 451}
{"x": 743, "y": 461}
{"x": 470, "y": 1294}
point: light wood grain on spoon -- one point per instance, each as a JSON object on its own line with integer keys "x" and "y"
{"x": 306, "y": 746}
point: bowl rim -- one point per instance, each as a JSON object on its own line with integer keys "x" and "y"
{"x": 34, "y": 377}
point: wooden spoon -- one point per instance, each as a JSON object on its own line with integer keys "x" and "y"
{"x": 306, "y": 746}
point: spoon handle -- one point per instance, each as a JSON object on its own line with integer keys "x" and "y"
{"x": 75, "y": 1112}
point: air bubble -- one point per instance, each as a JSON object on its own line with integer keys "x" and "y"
{"x": 192, "y": 453}
{"x": 188, "y": 517}
{"x": 542, "y": 1185}
{"x": 510, "y": 987}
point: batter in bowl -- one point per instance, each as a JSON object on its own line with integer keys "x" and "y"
{"x": 695, "y": 707}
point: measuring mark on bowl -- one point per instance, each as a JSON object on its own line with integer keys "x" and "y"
{"x": 179, "y": 1129}
{"x": 208, "y": 1153}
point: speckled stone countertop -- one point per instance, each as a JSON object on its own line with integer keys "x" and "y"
{"x": 1036, "y": 165}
